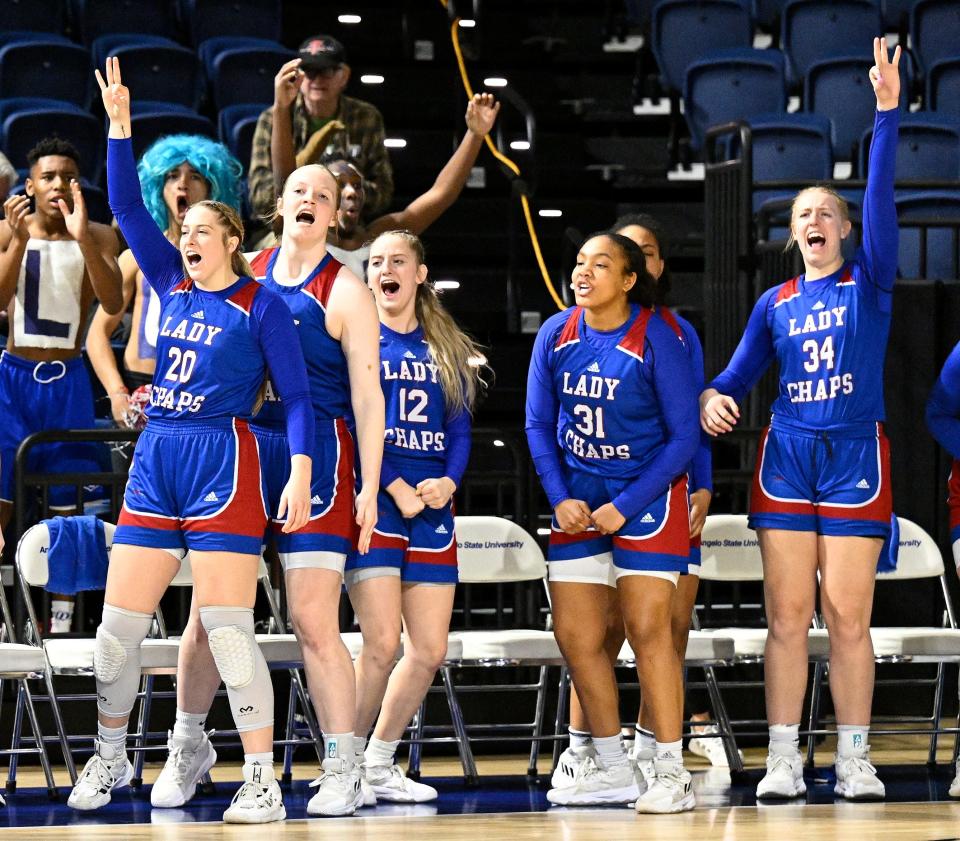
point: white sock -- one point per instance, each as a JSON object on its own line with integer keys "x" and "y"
{"x": 61, "y": 616}
{"x": 852, "y": 739}
{"x": 113, "y": 742}
{"x": 579, "y": 738}
{"x": 611, "y": 751}
{"x": 359, "y": 746}
{"x": 785, "y": 737}
{"x": 645, "y": 740}
{"x": 188, "y": 728}
{"x": 379, "y": 753}
{"x": 670, "y": 753}
{"x": 338, "y": 746}
{"x": 265, "y": 758}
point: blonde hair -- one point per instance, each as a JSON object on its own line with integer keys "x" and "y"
{"x": 274, "y": 217}
{"x": 456, "y": 355}
{"x": 230, "y": 219}
{"x": 842, "y": 204}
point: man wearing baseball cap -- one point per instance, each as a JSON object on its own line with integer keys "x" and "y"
{"x": 315, "y": 122}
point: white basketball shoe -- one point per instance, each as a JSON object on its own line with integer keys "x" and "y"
{"x": 184, "y": 767}
{"x": 568, "y": 766}
{"x": 784, "y": 777}
{"x": 599, "y": 786}
{"x": 339, "y": 791}
{"x": 391, "y": 785}
{"x": 98, "y": 779}
{"x": 857, "y": 778}
{"x": 671, "y": 791}
{"x": 258, "y": 800}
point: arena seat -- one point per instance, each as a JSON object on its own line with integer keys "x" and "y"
{"x": 61, "y": 71}
{"x": 160, "y": 72}
{"x": 246, "y": 75}
{"x": 211, "y": 18}
{"x": 21, "y": 129}
{"x": 33, "y": 15}
{"x": 927, "y": 250}
{"x": 928, "y": 147}
{"x": 104, "y": 45}
{"x": 731, "y": 85}
{"x": 93, "y": 18}
{"x": 933, "y": 29}
{"x": 212, "y": 47}
{"x": 236, "y": 124}
{"x": 683, "y": 31}
{"x": 814, "y": 30}
{"x": 943, "y": 87}
{"x": 149, "y": 127}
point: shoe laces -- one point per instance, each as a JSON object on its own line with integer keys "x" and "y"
{"x": 778, "y": 762}
{"x": 98, "y": 773}
{"x": 857, "y": 765}
{"x": 254, "y": 796}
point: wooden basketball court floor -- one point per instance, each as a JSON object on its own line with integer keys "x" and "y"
{"x": 508, "y": 806}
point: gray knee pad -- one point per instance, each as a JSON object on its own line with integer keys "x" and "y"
{"x": 116, "y": 658}
{"x": 241, "y": 665}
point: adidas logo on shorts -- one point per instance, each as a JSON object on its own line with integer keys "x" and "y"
{"x": 646, "y": 518}
{"x": 211, "y": 497}
{"x": 594, "y": 368}
{"x": 197, "y": 314}
{"x": 863, "y": 484}
{"x": 316, "y": 500}
{"x": 441, "y": 529}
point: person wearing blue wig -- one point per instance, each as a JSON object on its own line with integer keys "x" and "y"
{"x": 176, "y": 172}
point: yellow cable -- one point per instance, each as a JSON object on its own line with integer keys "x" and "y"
{"x": 509, "y": 164}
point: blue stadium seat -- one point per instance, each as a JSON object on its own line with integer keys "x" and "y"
{"x": 150, "y": 127}
{"x": 33, "y": 104}
{"x": 789, "y": 147}
{"x": 928, "y": 147}
{"x": 943, "y": 87}
{"x": 236, "y": 126}
{"x": 162, "y": 73}
{"x": 934, "y": 25}
{"x": 683, "y": 31}
{"x": 941, "y": 252}
{"x": 20, "y": 131}
{"x": 61, "y": 71}
{"x": 767, "y": 13}
{"x": 896, "y": 14}
{"x": 32, "y": 15}
{"x": 212, "y": 47}
{"x": 731, "y": 85}
{"x": 814, "y": 30}
{"x": 839, "y": 89}
{"x": 211, "y": 18}
{"x": 104, "y": 46}
{"x": 98, "y": 209}
{"x": 19, "y": 36}
{"x": 93, "y": 18}
{"x": 244, "y": 75}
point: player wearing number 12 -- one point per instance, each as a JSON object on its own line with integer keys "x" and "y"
{"x": 821, "y": 499}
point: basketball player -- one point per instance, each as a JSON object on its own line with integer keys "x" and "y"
{"x": 353, "y": 239}
{"x": 430, "y": 378}
{"x": 54, "y": 264}
{"x": 821, "y": 499}
{"x": 195, "y": 483}
{"x": 176, "y": 172}
{"x": 611, "y": 423}
{"x": 649, "y": 235}
{"x": 339, "y": 333}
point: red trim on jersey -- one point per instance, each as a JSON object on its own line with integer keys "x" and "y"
{"x": 667, "y": 315}
{"x": 184, "y": 285}
{"x": 789, "y": 290}
{"x": 953, "y": 494}
{"x": 760, "y": 503}
{"x": 147, "y": 521}
{"x": 674, "y": 536}
{"x": 322, "y": 285}
{"x": 244, "y": 516}
{"x": 244, "y": 296}
{"x": 444, "y": 558}
{"x": 388, "y": 541}
{"x": 261, "y": 261}
{"x": 881, "y": 508}
{"x": 561, "y": 538}
{"x": 571, "y": 329}
{"x": 637, "y": 334}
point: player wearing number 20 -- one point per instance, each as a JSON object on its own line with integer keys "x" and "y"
{"x": 821, "y": 498}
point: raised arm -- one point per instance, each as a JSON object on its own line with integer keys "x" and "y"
{"x": 14, "y": 236}
{"x": 282, "y": 154}
{"x": 424, "y": 210}
{"x": 157, "y": 257}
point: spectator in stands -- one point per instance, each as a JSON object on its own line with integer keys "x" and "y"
{"x": 353, "y": 238}
{"x": 821, "y": 500}
{"x": 311, "y": 121}
{"x": 54, "y": 264}
{"x": 427, "y": 446}
{"x": 175, "y": 173}
{"x": 612, "y": 428}
{"x": 8, "y": 177}
{"x": 650, "y": 235}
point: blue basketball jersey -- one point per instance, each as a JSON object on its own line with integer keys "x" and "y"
{"x": 416, "y": 411}
{"x": 326, "y": 363}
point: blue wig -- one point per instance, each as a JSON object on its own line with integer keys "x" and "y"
{"x": 211, "y": 159}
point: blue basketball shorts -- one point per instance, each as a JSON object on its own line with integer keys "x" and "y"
{"x": 36, "y": 396}
{"x": 654, "y": 542}
{"x": 324, "y": 541}
{"x": 194, "y": 485}
{"x": 421, "y": 550}
{"x": 824, "y": 482}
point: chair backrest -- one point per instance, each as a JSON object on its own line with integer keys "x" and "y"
{"x": 683, "y": 31}
{"x": 150, "y": 127}
{"x": 168, "y": 73}
{"x": 791, "y": 147}
{"x": 60, "y": 71}
{"x": 104, "y": 45}
{"x": 934, "y": 25}
{"x": 814, "y": 30}
{"x": 943, "y": 87}
{"x": 210, "y": 18}
{"x": 36, "y": 15}
{"x": 31, "y": 555}
{"x": 942, "y": 251}
{"x": 21, "y": 130}
{"x": 729, "y": 551}
{"x": 731, "y": 85}
{"x": 246, "y": 75}
{"x": 928, "y": 147}
{"x": 94, "y": 18}
{"x": 918, "y": 555}
{"x": 494, "y": 550}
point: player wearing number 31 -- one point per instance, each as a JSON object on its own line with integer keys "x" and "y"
{"x": 821, "y": 499}
{"x": 612, "y": 427}
{"x": 195, "y": 482}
